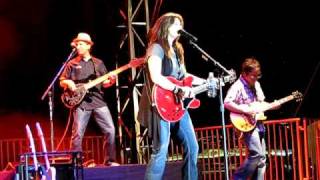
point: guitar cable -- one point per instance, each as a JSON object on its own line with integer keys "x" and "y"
{"x": 65, "y": 131}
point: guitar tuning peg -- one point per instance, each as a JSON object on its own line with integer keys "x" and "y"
{"x": 232, "y": 75}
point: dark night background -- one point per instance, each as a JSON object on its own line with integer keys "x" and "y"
{"x": 36, "y": 34}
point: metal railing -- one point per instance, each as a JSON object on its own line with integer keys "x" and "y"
{"x": 286, "y": 140}
{"x": 11, "y": 149}
{"x": 287, "y": 150}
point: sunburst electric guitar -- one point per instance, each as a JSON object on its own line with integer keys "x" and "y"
{"x": 72, "y": 98}
{"x": 245, "y": 123}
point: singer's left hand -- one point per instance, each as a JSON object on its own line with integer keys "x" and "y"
{"x": 188, "y": 92}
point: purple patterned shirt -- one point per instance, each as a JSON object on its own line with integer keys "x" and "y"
{"x": 241, "y": 93}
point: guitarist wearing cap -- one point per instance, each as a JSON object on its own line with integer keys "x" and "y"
{"x": 87, "y": 99}
{"x": 244, "y": 92}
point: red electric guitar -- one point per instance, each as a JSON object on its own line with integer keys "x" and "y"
{"x": 172, "y": 107}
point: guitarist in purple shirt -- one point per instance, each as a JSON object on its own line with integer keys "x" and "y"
{"x": 165, "y": 58}
{"x": 79, "y": 70}
{"x": 244, "y": 92}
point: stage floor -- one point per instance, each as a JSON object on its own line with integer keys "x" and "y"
{"x": 130, "y": 171}
{"x": 123, "y": 172}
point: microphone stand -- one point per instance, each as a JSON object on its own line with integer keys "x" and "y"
{"x": 206, "y": 56}
{"x": 50, "y": 93}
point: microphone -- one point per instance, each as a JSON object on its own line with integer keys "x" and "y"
{"x": 189, "y": 36}
{"x": 74, "y": 46}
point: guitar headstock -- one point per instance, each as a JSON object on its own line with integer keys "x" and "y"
{"x": 231, "y": 77}
{"x": 297, "y": 95}
{"x": 135, "y": 62}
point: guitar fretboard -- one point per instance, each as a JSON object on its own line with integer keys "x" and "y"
{"x": 279, "y": 102}
{"x": 105, "y": 77}
{"x": 201, "y": 88}
{"x": 282, "y": 100}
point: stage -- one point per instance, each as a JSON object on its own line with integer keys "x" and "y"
{"x": 132, "y": 172}
{"x": 290, "y": 146}
{"x": 123, "y": 172}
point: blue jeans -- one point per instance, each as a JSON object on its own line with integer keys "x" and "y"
{"x": 103, "y": 118}
{"x": 184, "y": 131}
{"x": 256, "y": 160}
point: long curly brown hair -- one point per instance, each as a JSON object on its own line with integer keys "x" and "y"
{"x": 159, "y": 34}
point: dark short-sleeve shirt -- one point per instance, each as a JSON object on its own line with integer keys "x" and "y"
{"x": 81, "y": 71}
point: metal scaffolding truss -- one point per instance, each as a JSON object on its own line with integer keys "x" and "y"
{"x": 136, "y": 26}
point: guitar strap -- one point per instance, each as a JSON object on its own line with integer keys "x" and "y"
{"x": 252, "y": 94}
{"x": 96, "y": 72}
{"x": 95, "y": 67}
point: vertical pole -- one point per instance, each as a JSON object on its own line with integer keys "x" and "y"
{"x": 133, "y": 71}
{"x": 318, "y": 149}
{"x": 122, "y": 150}
{"x": 224, "y": 131}
{"x": 300, "y": 168}
{"x": 133, "y": 74}
{"x": 50, "y": 95}
{"x": 131, "y": 34}
{"x": 306, "y": 153}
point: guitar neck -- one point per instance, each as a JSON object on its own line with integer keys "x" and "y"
{"x": 105, "y": 77}
{"x": 280, "y": 101}
{"x": 201, "y": 88}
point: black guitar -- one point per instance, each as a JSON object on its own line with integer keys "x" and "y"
{"x": 72, "y": 98}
